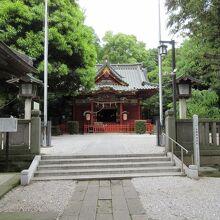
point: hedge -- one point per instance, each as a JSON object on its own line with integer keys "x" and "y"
{"x": 140, "y": 126}
{"x": 73, "y": 127}
{"x": 55, "y": 130}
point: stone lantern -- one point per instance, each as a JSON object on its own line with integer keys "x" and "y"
{"x": 28, "y": 87}
{"x": 184, "y": 91}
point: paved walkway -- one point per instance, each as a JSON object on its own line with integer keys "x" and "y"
{"x": 104, "y": 200}
{"x": 8, "y": 181}
{"x": 103, "y": 144}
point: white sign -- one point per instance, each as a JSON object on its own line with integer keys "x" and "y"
{"x": 36, "y": 106}
{"x": 8, "y": 124}
{"x": 196, "y": 140}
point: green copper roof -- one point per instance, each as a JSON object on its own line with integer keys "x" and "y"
{"x": 133, "y": 74}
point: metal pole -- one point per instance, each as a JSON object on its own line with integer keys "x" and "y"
{"x": 45, "y": 71}
{"x": 174, "y": 80}
{"x": 160, "y": 69}
{"x": 160, "y": 79}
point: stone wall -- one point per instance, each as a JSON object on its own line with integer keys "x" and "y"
{"x": 209, "y": 133}
{"x": 23, "y": 144}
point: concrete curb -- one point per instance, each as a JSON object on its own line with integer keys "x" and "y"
{"x": 27, "y": 175}
{"x": 9, "y": 184}
{"x": 191, "y": 172}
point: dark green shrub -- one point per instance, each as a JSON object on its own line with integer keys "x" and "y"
{"x": 73, "y": 127}
{"x": 55, "y": 130}
{"x": 140, "y": 126}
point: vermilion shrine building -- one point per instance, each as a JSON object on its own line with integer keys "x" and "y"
{"x": 115, "y": 102}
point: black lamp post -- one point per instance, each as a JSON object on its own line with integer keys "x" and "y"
{"x": 163, "y": 51}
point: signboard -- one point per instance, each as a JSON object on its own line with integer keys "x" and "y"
{"x": 196, "y": 140}
{"x": 36, "y": 106}
{"x": 8, "y": 124}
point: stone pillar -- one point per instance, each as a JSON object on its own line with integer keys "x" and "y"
{"x": 182, "y": 108}
{"x": 27, "y": 109}
{"x": 170, "y": 129}
{"x": 35, "y": 132}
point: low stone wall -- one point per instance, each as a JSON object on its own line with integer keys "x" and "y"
{"x": 23, "y": 144}
{"x": 209, "y": 133}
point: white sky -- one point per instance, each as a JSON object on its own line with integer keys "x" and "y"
{"x": 136, "y": 17}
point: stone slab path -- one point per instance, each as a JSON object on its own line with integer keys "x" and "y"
{"x": 104, "y": 200}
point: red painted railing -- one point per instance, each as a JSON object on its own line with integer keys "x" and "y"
{"x": 115, "y": 128}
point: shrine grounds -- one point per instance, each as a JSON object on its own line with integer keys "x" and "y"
{"x": 163, "y": 198}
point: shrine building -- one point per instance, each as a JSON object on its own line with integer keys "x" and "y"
{"x": 115, "y": 102}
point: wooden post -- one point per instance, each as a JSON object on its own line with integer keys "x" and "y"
{"x": 92, "y": 110}
{"x": 121, "y": 110}
{"x": 139, "y": 110}
{"x": 74, "y": 111}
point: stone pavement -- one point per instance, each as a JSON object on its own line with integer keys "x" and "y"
{"x": 103, "y": 144}
{"x": 104, "y": 200}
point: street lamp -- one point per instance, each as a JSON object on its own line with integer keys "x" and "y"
{"x": 163, "y": 51}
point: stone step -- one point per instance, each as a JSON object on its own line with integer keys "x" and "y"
{"x": 81, "y": 156}
{"x": 105, "y": 160}
{"x": 104, "y": 165}
{"x": 106, "y": 171}
{"x": 106, "y": 177}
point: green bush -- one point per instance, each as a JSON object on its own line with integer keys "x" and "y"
{"x": 73, "y": 127}
{"x": 55, "y": 130}
{"x": 140, "y": 126}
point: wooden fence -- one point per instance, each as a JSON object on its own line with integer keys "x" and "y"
{"x": 115, "y": 128}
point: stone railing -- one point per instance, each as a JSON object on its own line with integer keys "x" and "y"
{"x": 209, "y": 136}
{"x": 23, "y": 144}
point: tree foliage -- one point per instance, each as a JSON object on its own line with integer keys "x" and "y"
{"x": 72, "y": 54}
{"x": 122, "y": 48}
{"x": 200, "y": 20}
{"x": 204, "y": 104}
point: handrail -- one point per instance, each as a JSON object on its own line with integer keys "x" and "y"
{"x": 179, "y": 145}
{"x": 176, "y": 142}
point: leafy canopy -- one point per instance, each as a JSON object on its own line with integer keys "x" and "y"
{"x": 204, "y": 104}
{"x": 122, "y": 48}
{"x": 72, "y": 54}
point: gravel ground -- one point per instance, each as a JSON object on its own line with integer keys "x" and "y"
{"x": 180, "y": 198}
{"x": 103, "y": 144}
{"x": 38, "y": 197}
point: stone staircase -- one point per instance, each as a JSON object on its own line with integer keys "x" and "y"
{"x": 120, "y": 166}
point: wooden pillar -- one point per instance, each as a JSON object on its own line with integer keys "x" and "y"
{"x": 92, "y": 110}
{"x": 121, "y": 110}
{"x": 74, "y": 111}
{"x": 139, "y": 110}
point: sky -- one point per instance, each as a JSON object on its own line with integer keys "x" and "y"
{"x": 136, "y": 17}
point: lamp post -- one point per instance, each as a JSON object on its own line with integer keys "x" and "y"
{"x": 163, "y": 51}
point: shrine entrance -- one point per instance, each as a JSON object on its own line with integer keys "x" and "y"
{"x": 107, "y": 115}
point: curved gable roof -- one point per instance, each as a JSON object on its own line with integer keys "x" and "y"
{"x": 132, "y": 74}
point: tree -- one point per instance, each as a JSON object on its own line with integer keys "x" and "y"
{"x": 122, "y": 48}
{"x": 196, "y": 18}
{"x": 199, "y": 19}
{"x": 72, "y": 54}
{"x": 204, "y": 104}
